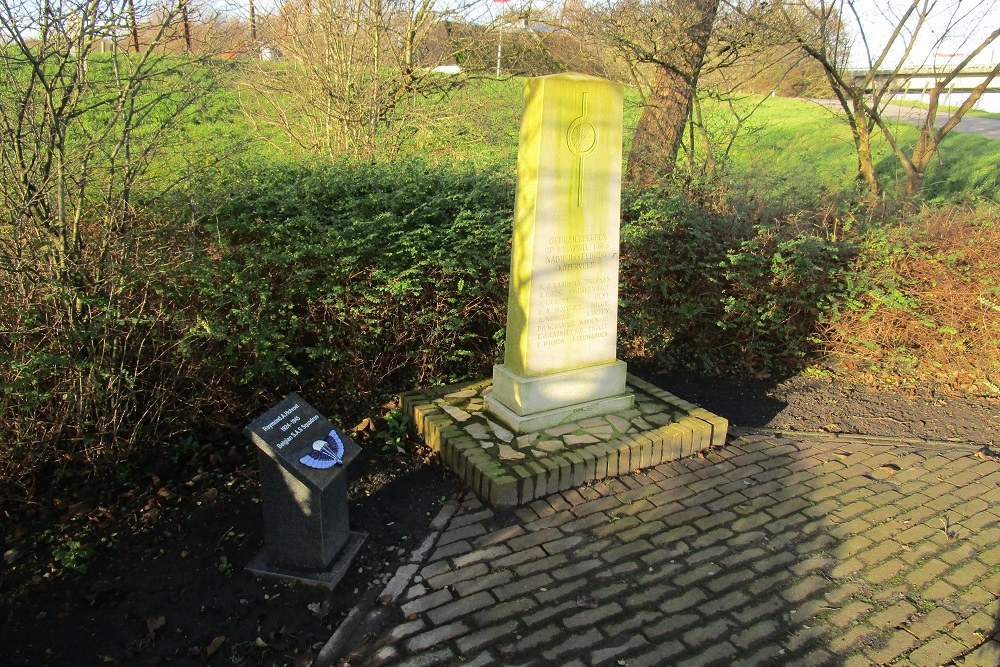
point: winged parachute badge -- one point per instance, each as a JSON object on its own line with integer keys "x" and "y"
{"x": 326, "y": 453}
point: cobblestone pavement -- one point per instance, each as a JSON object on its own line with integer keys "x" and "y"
{"x": 775, "y": 549}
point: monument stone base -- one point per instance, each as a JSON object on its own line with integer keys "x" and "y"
{"x": 327, "y": 577}
{"x": 531, "y": 404}
{"x": 508, "y": 469}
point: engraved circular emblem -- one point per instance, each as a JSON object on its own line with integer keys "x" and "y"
{"x": 581, "y": 136}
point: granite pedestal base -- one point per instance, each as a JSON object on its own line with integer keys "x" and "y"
{"x": 508, "y": 469}
{"x": 327, "y": 578}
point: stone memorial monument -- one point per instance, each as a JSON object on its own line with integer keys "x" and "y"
{"x": 303, "y": 460}
{"x": 560, "y": 410}
{"x": 562, "y": 308}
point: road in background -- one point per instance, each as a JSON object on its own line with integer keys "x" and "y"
{"x": 987, "y": 127}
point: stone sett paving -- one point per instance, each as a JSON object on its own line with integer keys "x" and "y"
{"x": 775, "y": 549}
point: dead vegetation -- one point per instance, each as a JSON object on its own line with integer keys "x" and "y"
{"x": 932, "y": 315}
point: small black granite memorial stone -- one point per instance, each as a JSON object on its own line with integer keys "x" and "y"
{"x": 303, "y": 460}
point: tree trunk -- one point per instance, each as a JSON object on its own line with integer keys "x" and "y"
{"x": 186, "y": 20}
{"x": 253, "y": 30}
{"x": 863, "y": 144}
{"x": 133, "y": 25}
{"x": 658, "y": 135}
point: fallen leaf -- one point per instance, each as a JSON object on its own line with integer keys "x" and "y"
{"x": 365, "y": 425}
{"x": 166, "y": 493}
{"x": 208, "y": 496}
{"x": 987, "y": 454}
{"x": 214, "y": 646}
{"x": 319, "y": 609}
{"x": 82, "y": 507}
{"x": 154, "y": 623}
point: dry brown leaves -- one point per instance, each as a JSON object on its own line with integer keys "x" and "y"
{"x": 950, "y": 338}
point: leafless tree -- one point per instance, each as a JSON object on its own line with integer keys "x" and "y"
{"x": 78, "y": 131}
{"x": 353, "y": 71}
{"x": 915, "y": 29}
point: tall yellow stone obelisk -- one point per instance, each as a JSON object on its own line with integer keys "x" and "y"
{"x": 562, "y": 309}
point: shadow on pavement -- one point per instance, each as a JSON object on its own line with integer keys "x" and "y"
{"x": 770, "y": 550}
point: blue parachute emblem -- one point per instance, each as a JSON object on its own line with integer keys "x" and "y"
{"x": 326, "y": 453}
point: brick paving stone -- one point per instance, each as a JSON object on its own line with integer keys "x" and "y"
{"x": 544, "y": 613}
{"x": 849, "y": 613}
{"x": 480, "y": 638}
{"x": 662, "y": 653}
{"x": 895, "y": 616}
{"x": 851, "y": 640}
{"x": 426, "y": 602}
{"x": 562, "y": 544}
{"x": 439, "y": 657}
{"x": 460, "y": 607}
{"x": 727, "y": 602}
{"x": 724, "y": 582}
{"x": 558, "y": 654}
{"x": 758, "y": 633}
{"x": 406, "y": 629}
{"x": 463, "y": 533}
{"x": 846, "y": 568}
{"x": 647, "y": 595}
{"x": 707, "y": 632}
{"x": 938, "y": 651}
{"x": 522, "y": 586}
{"x": 775, "y": 561}
{"x": 498, "y": 536}
{"x": 972, "y": 631}
{"x": 544, "y": 564}
{"x": 804, "y": 588}
{"x": 584, "y": 523}
{"x": 436, "y": 636}
{"x": 718, "y": 653}
{"x": 630, "y": 623}
{"x": 535, "y": 639}
{"x": 939, "y": 590}
{"x": 711, "y": 537}
{"x": 487, "y": 554}
{"x": 547, "y": 594}
{"x": 678, "y": 603}
{"x": 519, "y": 557}
{"x": 623, "y": 645}
{"x": 885, "y": 571}
{"x": 766, "y": 584}
{"x": 769, "y": 654}
{"x": 499, "y": 612}
{"x": 450, "y": 550}
{"x": 987, "y": 655}
{"x": 967, "y": 574}
{"x": 889, "y": 649}
{"x": 452, "y": 576}
{"x": 536, "y": 538}
{"x": 470, "y": 586}
{"x": 591, "y": 617}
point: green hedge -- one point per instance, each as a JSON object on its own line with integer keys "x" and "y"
{"x": 353, "y": 281}
{"x": 721, "y": 293}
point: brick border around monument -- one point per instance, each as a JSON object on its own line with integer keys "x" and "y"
{"x": 508, "y": 470}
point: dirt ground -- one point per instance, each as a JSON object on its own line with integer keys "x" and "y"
{"x": 164, "y": 580}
